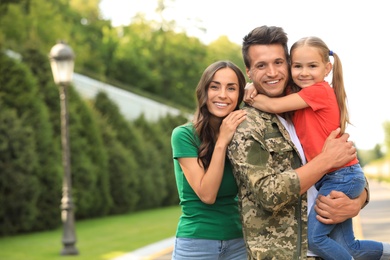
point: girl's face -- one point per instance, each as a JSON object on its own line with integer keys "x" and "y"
{"x": 223, "y": 92}
{"x": 307, "y": 66}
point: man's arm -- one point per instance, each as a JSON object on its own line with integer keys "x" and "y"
{"x": 336, "y": 152}
{"x": 261, "y": 159}
{"x": 337, "y": 207}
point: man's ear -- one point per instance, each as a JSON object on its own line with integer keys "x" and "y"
{"x": 248, "y": 73}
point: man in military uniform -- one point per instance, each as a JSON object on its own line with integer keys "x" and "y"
{"x": 269, "y": 164}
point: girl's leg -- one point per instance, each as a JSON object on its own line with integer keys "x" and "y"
{"x": 321, "y": 244}
{"x": 351, "y": 181}
{"x": 359, "y": 249}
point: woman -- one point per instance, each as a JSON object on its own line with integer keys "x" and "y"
{"x": 209, "y": 227}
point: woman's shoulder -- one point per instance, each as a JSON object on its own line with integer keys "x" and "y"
{"x": 186, "y": 130}
{"x": 187, "y": 127}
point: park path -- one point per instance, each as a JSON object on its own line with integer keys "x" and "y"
{"x": 373, "y": 223}
{"x": 375, "y": 217}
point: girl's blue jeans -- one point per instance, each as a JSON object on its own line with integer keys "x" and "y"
{"x": 338, "y": 241}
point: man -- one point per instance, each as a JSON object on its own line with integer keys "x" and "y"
{"x": 269, "y": 164}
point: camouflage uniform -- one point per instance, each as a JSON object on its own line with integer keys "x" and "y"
{"x": 273, "y": 213}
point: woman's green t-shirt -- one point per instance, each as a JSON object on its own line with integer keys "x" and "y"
{"x": 218, "y": 221}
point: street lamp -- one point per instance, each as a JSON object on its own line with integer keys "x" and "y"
{"x": 62, "y": 63}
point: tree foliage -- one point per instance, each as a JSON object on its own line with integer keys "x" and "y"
{"x": 19, "y": 93}
{"x": 19, "y": 187}
{"x": 386, "y": 127}
{"x": 117, "y": 166}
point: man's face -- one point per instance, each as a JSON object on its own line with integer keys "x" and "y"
{"x": 269, "y": 69}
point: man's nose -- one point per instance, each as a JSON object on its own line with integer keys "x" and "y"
{"x": 271, "y": 70}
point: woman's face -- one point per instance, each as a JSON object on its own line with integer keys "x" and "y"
{"x": 223, "y": 93}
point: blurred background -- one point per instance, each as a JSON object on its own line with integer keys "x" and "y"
{"x": 155, "y": 50}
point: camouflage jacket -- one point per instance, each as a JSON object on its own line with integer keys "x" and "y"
{"x": 273, "y": 214}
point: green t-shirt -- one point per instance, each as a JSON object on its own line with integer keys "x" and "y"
{"x": 219, "y": 221}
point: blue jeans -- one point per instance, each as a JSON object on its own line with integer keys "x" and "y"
{"x": 205, "y": 249}
{"x": 338, "y": 241}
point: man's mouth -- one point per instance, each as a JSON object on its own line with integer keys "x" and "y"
{"x": 272, "y": 82}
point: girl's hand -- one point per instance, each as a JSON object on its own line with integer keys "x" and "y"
{"x": 250, "y": 93}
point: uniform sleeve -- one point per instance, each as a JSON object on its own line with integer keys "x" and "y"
{"x": 367, "y": 188}
{"x": 261, "y": 159}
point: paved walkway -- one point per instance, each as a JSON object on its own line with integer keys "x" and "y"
{"x": 375, "y": 217}
{"x": 373, "y": 223}
{"x": 159, "y": 251}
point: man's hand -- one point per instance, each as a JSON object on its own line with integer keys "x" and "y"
{"x": 337, "y": 207}
{"x": 338, "y": 151}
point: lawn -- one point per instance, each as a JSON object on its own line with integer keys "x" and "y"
{"x": 97, "y": 239}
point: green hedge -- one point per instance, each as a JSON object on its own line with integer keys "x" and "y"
{"x": 117, "y": 166}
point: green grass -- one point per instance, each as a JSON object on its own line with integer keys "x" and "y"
{"x": 97, "y": 239}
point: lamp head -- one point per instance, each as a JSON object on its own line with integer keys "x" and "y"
{"x": 62, "y": 63}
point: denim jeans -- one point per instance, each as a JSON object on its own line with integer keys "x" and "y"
{"x": 338, "y": 241}
{"x": 205, "y": 249}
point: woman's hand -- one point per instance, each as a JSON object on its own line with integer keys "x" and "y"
{"x": 229, "y": 125}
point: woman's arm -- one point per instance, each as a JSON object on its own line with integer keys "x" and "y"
{"x": 206, "y": 183}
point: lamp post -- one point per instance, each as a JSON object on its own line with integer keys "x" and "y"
{"x": 62, "y": 63}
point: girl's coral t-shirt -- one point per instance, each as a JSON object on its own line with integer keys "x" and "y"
{"x": 314, "y": 123}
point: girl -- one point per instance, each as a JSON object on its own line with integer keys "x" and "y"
{"x": 319, "y": 109}
{"x": 209, "y": 227}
